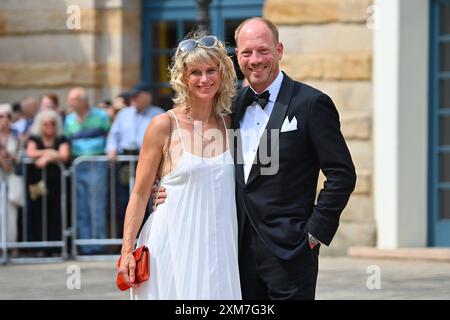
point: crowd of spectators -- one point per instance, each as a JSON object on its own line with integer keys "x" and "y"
{"x": 39, "y": 141}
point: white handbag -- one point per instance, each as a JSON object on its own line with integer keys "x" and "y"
{"x": 15, "y": 190}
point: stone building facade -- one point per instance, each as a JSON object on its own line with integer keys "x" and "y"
{"x": 327, "y": 43}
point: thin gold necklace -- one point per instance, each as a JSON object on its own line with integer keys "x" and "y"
{"x": 188, "y": 117}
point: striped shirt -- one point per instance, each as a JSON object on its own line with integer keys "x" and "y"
{"x": 89, "y": 136}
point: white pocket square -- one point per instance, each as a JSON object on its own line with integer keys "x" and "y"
{"x": 289, "y": 125}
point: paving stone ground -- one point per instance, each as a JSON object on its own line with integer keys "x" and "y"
{"x": 339, "y": 278}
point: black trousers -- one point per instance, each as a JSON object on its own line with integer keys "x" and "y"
{"x": 266, "y": 277}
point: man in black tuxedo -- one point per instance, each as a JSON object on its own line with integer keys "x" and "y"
{"x": 280, "y": 225}
{"x": 285, "y": 132}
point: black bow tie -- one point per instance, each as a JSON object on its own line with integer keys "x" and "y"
{"x": 260, "y": 99}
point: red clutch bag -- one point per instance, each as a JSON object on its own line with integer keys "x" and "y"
{"x": 142, "y": 254}
{"x": 142, "y": 271}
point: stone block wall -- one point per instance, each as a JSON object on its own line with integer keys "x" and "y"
{"x": 39, "y": 53}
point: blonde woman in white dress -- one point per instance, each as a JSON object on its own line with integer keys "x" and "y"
{"x": 192, "y": 237}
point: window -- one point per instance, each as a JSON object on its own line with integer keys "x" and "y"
{"x": 165, "y": 23}
{"x": 439, "y": 195}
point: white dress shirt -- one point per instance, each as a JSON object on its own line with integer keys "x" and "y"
{"x": 254, "y": 122}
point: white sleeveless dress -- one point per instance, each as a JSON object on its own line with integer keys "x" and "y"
{"x": 192, "y": 237}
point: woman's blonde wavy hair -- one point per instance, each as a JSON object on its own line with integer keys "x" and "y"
{"x": 218, "y": 54}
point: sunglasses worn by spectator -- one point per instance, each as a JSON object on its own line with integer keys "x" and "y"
{"x": 190, "y": 44}
{"x": 7, "y": 115}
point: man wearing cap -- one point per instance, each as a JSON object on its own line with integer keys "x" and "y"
{"x": 126, "y": 137}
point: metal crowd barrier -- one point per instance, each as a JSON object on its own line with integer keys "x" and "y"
{"x": 111, "y": 245}
{"x": 111, "y": 242}
{"x": 3, "y": 212}
{"x": 44, "y": 243}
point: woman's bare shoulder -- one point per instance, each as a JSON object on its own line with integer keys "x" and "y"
{"x": 159, "y": 127}
{"x": 162, "y": 121}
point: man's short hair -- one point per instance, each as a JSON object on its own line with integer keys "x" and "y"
{"x": 273, "y": 28}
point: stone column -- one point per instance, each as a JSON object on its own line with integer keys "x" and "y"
{"x": 118, "y": 48}
{"x": 400, "y": 122}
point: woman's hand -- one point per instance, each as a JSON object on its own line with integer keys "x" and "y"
{"x": 42, "y": 161}
{"x": 127, "y": 269}
{"x": 158, "y": 195}
{"x": 49, "y": 155}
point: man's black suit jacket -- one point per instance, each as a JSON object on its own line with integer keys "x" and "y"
{"x": 281, "y": 206}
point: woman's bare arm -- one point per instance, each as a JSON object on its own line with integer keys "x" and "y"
{"x": 64, "y": 152}
{"x": 149, "y": 161}
{"x": 32, "y": 150}
{"x": 44, "y": 156}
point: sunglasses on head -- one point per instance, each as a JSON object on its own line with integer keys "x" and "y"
{"x": 190, "y": 44}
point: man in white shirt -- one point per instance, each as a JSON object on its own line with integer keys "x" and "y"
{"x": 126, "y": 137}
